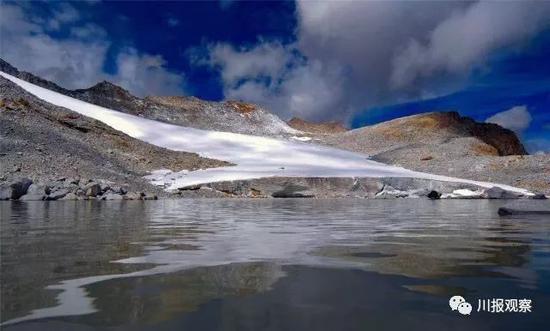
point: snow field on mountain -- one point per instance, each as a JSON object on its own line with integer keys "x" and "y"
{"x": 253, "y": 156}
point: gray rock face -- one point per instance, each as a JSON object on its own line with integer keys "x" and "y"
{"x": 69, "y": 189}
{"x": 47, "y": 143}
{"x": 15, "y": 189}
{"x": 36, "y": 192}
{"x": 333, "y": 187}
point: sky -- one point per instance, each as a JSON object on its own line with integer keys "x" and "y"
{"x": 358, "y": 62}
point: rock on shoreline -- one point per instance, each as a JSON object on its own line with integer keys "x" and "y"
{"x": 338, "y": 187}
{"x": 25, "y": 189}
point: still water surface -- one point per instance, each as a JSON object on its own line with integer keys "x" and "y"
{"x": 288, "y": 264}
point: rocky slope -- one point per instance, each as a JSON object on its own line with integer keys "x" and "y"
{"x": 432, "y": 129}
{"x": 229, "y": 116}
{"x": 326, "y": 128}
{"x": 47, "y": 143}
{"x": 447, "y": 144}
{"x": 63, "y": 151}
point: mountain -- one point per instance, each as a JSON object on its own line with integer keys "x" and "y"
{"x": 316, "y": 128}
{"x": 66, "y": 154}
{"x": 448, "y": 144}
{"x": 479, "y": 103}
{"x": 227, "y": 116}
{"x": 109, "y": 133}
{"x": 433, "y": 129}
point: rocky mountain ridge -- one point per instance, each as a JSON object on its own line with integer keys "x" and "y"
{"x": 228, "y": 116}
{"x": 432, "y": 129}
{"x": 448, "y": 144}
{"x": 440, "y": 143}
{"x": 319, "y": 128}
{"x": 41, "y": 143}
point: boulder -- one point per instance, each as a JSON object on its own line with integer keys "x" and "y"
{"x": 149, "y": 197}
{"x": 434, "y": 195}
{"x": 58, "y": 194}
{"x": 104, "y": 187}
{"x": 118, "y": 190}
{"x": 499, "y": 193}
{"x": 36, "y": 192}
{"x": 15, "y": 190}
{"x": 539, "y": 196}
{"x": 92, "y": 189}
{"x": 132, "y": 196}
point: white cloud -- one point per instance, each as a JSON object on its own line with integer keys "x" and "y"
{"x": 361, "y": 53}
{"x": 277, "y": 77}
{"x": 145, "y": 74}
{"x": 77, "y": 61}
{"x": 266, "y": 59}
{"x": 516, "y": 119}
{"x": 64, "y": 13}
{"x": 466, "y": 38}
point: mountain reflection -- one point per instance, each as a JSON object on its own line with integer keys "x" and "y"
{"x": 149, "y": 262}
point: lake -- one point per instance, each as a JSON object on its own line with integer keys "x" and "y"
{"x": 271, "y": 264}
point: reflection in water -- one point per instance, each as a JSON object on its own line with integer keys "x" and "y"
{"x": 178, "y": 260}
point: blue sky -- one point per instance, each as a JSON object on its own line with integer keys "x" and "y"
{"x": 357, "y": 62}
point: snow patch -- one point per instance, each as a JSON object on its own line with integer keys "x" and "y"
{"x": 164, "y": 177}
{"x": 301, "y": 138}
{"x": 463, "y": 194}
{"x": 254, "y": 156}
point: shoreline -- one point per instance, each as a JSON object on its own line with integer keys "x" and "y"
{"x": 25, "y": 189}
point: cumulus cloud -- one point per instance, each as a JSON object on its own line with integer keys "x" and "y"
{"x": 64, "y": 13}
{"x": 145, "y": 74}
{"x": 516, "y": 119}
{"x": 77, "y": 61}
{"x": 276, "y": 76}
{"x": 466, "y": 38}
{"x": 364, "y": 53}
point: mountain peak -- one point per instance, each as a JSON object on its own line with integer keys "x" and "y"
{"x": 108, "y": 89}
{"x": 8, "y": 68}
{"x": 440, "y": 127}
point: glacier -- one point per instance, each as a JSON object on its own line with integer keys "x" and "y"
{"x": 253, "y": 156}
